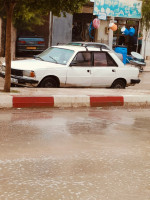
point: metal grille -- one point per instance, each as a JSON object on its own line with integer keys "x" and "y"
{"x": 16, "y": 72}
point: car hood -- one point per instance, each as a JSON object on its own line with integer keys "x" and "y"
{"x": 32, "y": 64}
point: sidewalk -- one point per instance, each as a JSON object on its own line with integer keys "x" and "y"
{"x": 74, "y": 97}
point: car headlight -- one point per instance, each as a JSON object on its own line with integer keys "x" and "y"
{"x": 29, "y": 73}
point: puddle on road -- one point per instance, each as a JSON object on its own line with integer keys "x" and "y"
{"x": 75, "y": 154}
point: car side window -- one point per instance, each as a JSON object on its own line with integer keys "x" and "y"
{"x": 82, "y": 59}
{"x": 102, "y": 59}
{"x": 110, "y": 61}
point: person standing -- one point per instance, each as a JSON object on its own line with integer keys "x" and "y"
{"x": 140, "y": 38}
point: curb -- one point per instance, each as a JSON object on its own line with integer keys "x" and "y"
{"x": 72, "y": 101}
{"x": 68, "y": 101}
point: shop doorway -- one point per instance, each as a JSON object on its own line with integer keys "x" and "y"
{"x": 125, "y": 40}
{"x": 80, "y": 28}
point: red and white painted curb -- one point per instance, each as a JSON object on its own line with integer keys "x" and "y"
{"x": 8, "y": 101}
{"x": 67, "y": 101}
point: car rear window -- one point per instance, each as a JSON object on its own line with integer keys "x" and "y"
{"x": 30, "y": 39}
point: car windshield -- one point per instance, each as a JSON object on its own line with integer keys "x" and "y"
{"x": 56, "y": 55}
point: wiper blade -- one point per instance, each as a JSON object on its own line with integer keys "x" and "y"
{"x": 38, "y": 57}
{"x": 53, "y": 59}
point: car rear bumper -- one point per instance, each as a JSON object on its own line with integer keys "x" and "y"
{"x": 29, "y": 50}
{"x": 32, "y": 48}
{"x": 22, "y": 81}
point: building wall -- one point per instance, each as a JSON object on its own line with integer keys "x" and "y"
{"x": 146, "y": 45}
{"x": 102, "y": 32}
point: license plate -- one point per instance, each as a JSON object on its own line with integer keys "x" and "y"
{"x": 13, "y": 80}
{"x": 30, "y": 47}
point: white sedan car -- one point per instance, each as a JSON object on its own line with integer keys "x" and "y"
{"x": 72, "y": 66}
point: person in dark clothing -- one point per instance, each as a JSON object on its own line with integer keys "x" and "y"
{"x": 133, "y": 43}
{"x": 135, "y": 38}
{"x": 121, "y": 40}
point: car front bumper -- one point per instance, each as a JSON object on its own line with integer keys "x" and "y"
{"x": 21, "y": 81}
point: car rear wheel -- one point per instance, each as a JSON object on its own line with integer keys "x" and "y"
{"x": 119, "y": 84}
{"x": 49, "y": 82}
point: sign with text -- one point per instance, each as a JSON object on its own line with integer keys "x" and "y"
{"x": 102, "y": 16}
{"x": 118, "y": 8}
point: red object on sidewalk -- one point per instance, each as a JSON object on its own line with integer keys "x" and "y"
{"x": 26, "y": 102}
{"x": 96, "y": 101}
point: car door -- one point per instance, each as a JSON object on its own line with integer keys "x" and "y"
{"x": 79, "y": 71}
{"x": 104, "y": 70}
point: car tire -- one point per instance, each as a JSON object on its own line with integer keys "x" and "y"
{"x": 119, "y": 84}
{"x": 49, "y": 82}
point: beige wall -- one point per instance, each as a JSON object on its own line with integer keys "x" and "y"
{"x": 145, "y": 51}
{"x": 101, "y": 35}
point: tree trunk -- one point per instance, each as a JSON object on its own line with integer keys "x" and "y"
{"x": 9, "y": 14}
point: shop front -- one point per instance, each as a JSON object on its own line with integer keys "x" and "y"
{"x": 130, "y": 41}
{"x": 125, "y": 15}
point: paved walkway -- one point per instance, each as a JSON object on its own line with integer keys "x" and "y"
{"x": 74, "y": 97}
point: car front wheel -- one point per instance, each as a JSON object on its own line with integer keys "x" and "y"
{"x": 49, "y": 82}
{"x": 119, "y": 84}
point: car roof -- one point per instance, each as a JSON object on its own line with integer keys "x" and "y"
{"x": 88, "y": 43}
{"x": 79, "y": 48}
{"x": 72, "y": 43}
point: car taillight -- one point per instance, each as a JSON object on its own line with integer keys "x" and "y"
{"x": 40, "y": 42}
{"x": 22, "y": 42}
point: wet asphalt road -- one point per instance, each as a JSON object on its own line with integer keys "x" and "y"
{"x": 75, "y": 154}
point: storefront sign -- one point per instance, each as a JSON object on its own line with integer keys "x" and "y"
{"x": 118, "y": 8}
{"x": 102, "y": 16}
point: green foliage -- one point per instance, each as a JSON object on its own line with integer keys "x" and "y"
{"x": 27, "y": 18}
{"x": 146, "y": 14}
{"x": 29, "y": 12}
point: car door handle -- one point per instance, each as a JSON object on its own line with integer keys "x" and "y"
{"x": 113, "y": 70}
{"x": 89, "y": 71}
